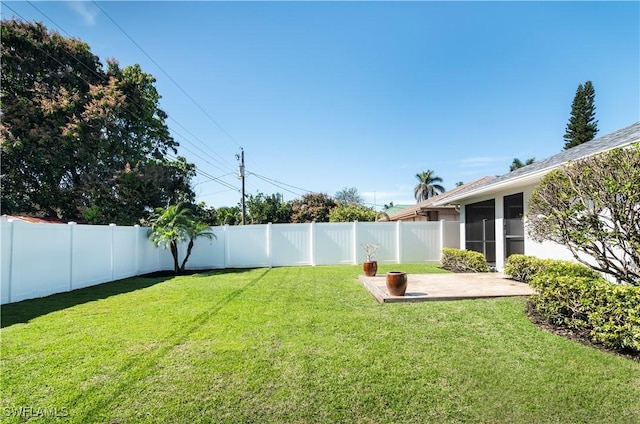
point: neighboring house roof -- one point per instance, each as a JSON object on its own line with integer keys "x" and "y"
{"x": 430, "y": 204}
{"x": 30, "y": 219}
{"x": 533, "y": 173}
{"x": 395, "y": 209}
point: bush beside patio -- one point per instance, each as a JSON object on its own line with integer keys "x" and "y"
{"x": 458, "y": 260}
{"x": 573, "y": 296}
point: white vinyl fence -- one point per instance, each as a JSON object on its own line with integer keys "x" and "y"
{"x": 42, "y": 259}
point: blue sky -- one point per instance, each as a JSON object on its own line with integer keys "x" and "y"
{"x": 328, "y": 95}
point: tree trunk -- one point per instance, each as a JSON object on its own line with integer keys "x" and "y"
{"x": 174, "y": 253}
{"x": 186, "y": 258}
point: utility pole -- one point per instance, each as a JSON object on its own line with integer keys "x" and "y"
{"x": 240, "y": 157}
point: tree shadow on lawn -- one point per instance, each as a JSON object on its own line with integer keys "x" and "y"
{"x": 26, "y": 310}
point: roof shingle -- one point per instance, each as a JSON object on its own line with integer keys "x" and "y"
{"x": 619, "y": 138}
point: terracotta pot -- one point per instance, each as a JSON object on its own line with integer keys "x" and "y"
{"x": 397, "y": 283}
{"x": 370, "y": 268}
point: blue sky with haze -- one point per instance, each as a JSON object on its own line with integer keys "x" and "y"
{"x": 327, "y": 95}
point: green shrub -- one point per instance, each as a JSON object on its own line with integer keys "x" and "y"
{"x": 457, "y": 260}
{"x": 608, "y": 312}
{"x": 524, "y": 268}
{"x": 568, "y": 269}
{"x": 616, "y": 317}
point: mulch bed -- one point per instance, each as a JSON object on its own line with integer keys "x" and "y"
{"x": 575, "y": 335}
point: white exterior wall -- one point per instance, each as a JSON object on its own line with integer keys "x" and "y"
{"x": 545, "y": 250}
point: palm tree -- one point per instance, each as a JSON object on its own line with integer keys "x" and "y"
{"x": 427, "y": 186}
{"x": 173, "y": 225}
{"x": 195, "y": 230}
{"x": 517, "y": 163}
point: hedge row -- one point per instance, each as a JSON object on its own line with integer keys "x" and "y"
{"x": 576, "y": 297}
{"x": 524, "y": 268}
{"x": 457, "y": 260}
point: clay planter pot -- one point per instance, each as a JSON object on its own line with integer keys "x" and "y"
{"x": 397, "y": 283}
{"x": 370, "y": 268}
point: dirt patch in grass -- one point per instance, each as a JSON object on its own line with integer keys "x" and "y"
{"x": 575, "y": 335}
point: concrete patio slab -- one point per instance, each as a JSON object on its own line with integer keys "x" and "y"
{"x": 426, "y": 287}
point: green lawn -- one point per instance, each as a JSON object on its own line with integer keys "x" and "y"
{"x": 299, "y": 345}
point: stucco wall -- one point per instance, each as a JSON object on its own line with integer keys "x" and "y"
{"x": 546, "y": 250}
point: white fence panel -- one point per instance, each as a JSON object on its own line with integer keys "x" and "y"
{"x": 6, "y": 239}
{"x": 451, "y": 234}
{"x": 247, "y": 246}
{"x": 91, "y": 255}
{"x": 382, "y": 233}
{"x": 206, "y": 254}
{"x": 148, "y": 254}
{"x": 420, "y": 241}
{"x": 41, "y": 260}
{"x": 125, "y": 252}
{"x": 334, "y": 243}
{"x": 291, "y": 244}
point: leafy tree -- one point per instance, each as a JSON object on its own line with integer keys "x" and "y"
{"x": 582, "y": 125}
{"x": 382, "y": 216}
{"x": 312, "y": 207}
{"x": 517, "y": 163}
{"x": 79, "y": 141}
{"x": 349, "y": 196}
{"x": 427, "y": 186}
{"x": 264, "y": 209}
{"x": 350, "y": 213}
{"x": 204, "y": 213}
{"x": 174, "y": 225}
{"x": 160, "y": 181}
{"x": 591, "y": 206}
{"x": 229, "y": 215}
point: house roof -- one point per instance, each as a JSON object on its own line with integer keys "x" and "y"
{"x": 31, "y": 219}
{"x": 533, "y": 173}
{"x": 396, "y": 208}
{"x": 429, "y": 204}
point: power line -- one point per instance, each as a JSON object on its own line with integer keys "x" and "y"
{"x": 226, "y": 168}
{"x": 281, "y": 185}
{"x": 205, "y": 174}
{"x": 199, "y": 171}
{"x": 240, "y": 158}
{"x": 280, "y": 182}
{"x": 93, "y": 71}
{"x": 168, "y": 76}
{"x": 209, "y": 176}
{"x": 171, "y": 79}
{"x": 221, "y": 162}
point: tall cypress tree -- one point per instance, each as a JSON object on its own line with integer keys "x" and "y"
{"x": 582, "y": 125}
